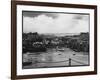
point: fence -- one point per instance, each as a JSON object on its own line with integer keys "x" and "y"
{"x": 70, "y": 62}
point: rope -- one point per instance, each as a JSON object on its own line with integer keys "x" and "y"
{"x": 78, "y": 62}
{"x": 53, "y": 62}
{"x": 63, "y": 61}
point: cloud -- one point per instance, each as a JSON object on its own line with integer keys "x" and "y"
{"x": 60, "y": 23}
{"x": 37, "y": 13}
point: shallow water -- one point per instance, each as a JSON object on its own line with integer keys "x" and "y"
{"x": 54, "y": 58}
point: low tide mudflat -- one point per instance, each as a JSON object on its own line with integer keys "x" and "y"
{"x": 56, "y": 58}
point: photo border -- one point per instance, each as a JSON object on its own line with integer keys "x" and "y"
{"x": 14, "y": 39}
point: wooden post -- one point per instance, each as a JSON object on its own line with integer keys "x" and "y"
{"x": 69, "y": 61}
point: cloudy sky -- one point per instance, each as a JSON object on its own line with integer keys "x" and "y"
{"x": 43, "y": 22}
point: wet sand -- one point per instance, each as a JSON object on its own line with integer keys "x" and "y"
{"x": 55, "y": 58}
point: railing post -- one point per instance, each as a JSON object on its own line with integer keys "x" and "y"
{"x": 69, "y": 61}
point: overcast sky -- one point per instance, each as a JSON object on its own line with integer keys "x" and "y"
{"x": 43, "y": 22}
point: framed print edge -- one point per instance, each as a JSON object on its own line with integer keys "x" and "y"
{"x": 14, "y": 39}
{"x": 95, "y": 39}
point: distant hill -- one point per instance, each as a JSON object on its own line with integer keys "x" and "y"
{"x": 60, "y": 34}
